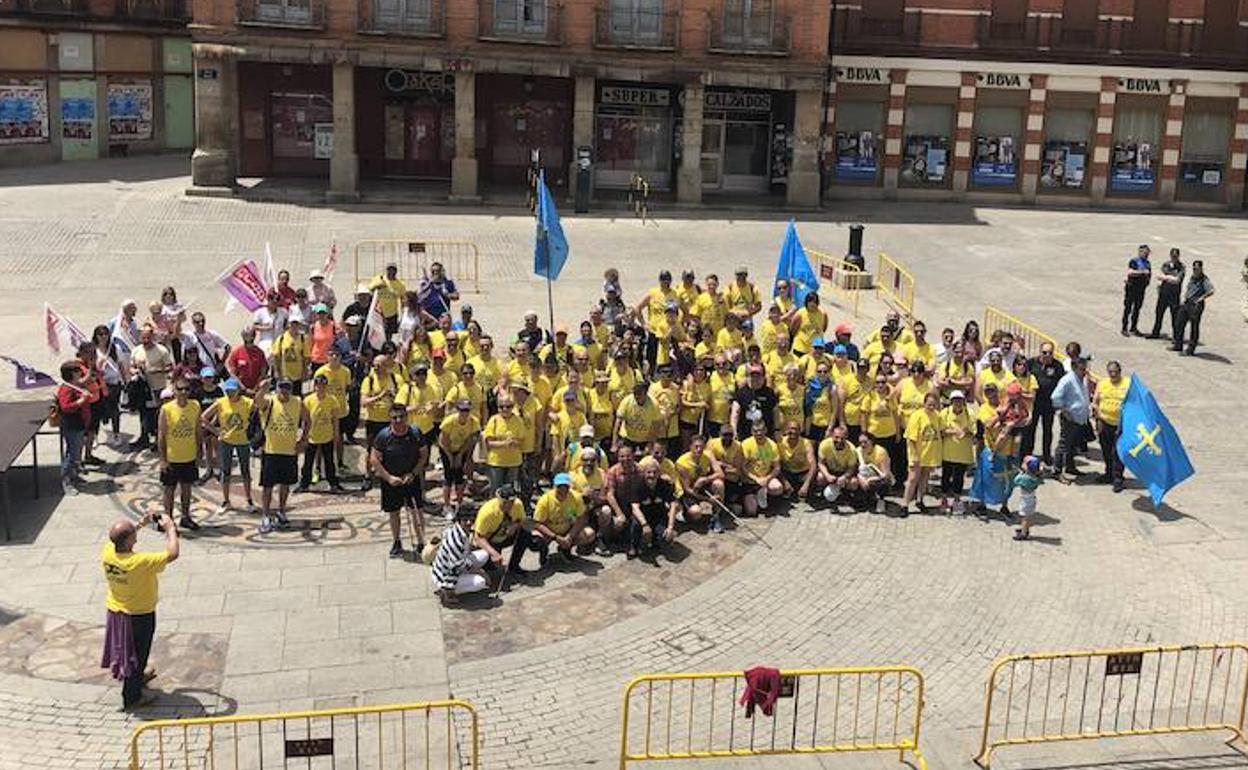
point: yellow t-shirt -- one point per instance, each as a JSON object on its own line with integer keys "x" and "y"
{"x": 729, "y": 458}
{"x": 338, "y": 379}
{"x": 667, "y": 398}
{"x": 743, "y": 299}
{"x": 1110, "y": 398}
{"x": 640, "y": 422}
{"x": 987, "y": 415}
{"x": 913, "y": 351}
{"x": 853, "y": 391}
{"x": 418, "y": 350}
{"x": 694, "y": 468}
{"x": 1000, "y": 379}
{"x": 475, "y": 395}
{"x": 132, "y": 582}
{"x": 566, "y": 427}
{"x": 775, "y": 363}
{"x": 458, "y": 432}
{"x": 873, "y": 351}
{"x": 759, "y": 455}
{"x": 839, "y": 461}
{"x": 389, "y": 294}
{"x": 592, "y": 483}
{"x": 656, "y": 304}
{"x": 374, "y": 382}
{"x": 601, "y": 413}
{"x": 180, "y": 425}
{"x": 527, "y": 412}
{"x": 952, "y": 448}
{"x": 696, "y": 391}
{"x": 823, "y": 410}
{"x": 232, "y": 418}
{"x": 292, "y": 354}
{"x": 910, "y": 397}
{"x": 602, "y": 333}
{"x": 809, "y": 325}
{"x": 423, "y": 404}
{"x": 728, "y": 339}
{"x": 591, "y": 350}
{"x": 499, "y": 427}
{"x": 622, "y": 380}
{"x": 723, "y": 389}
{"x": 445, "y": 379}
{"x": 488, "y": 372}
{"x": 281, "y": 426}
{"x": 491, "y": 521}
{"x": 791, "y": 403}
{"x": 793, "y": 458}
{"x": 878, "y": 409}
{"x": 322, "y": 415}
{"x": 923, "y": 431}
{"x": 767, "y": 333}
{"x": 558, "y": 515}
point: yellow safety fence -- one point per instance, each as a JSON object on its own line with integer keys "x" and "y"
{"x": 437, "y": 734}
{"x": 819, "y": 711}
{"x": 1069, "y": 696}
{"x": 843, "y": 280}
{"x": 895, "y": 285}
{"x": 413, "y": 256}
{"x": 1030, "y": 337}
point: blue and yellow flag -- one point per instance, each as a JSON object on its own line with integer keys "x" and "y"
{"x": 550, "y": 251}
{"x": 993, "y": 475}
{"x": 794, "y": 266}
{"x": 1149, "y": 446}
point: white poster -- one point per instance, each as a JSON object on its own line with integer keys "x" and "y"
{"x": 129, "y": 112}
{"x": 323, "y": 139}
{"x": 24, "y": 113}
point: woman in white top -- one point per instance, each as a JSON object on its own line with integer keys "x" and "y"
{"x": 112, "y": 365}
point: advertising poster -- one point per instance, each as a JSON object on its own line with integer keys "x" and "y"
{"x": 1131, "y": 170}
{"x": 995, "y": 164}
{"x": 323, "y": 140}
{"x": 856, "y": 159}
{"x": 129, "y": 112}
{"x": 925, "y": 160}
{"x": 1063, "y": 165}
{"x": 24, "y": 113}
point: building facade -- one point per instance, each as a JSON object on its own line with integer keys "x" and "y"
{"x": 84, "y": 79}
{"x": 698, "y": 96}
{"x": 1107, "y": 102}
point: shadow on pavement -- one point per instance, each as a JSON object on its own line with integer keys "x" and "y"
{"x": 186, "y": 703}
{"x": 1144, "y": 504}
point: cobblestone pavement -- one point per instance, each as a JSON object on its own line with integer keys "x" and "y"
{"x": 326, "y": 622}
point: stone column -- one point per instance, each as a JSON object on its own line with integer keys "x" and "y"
{"x": 1033, "y": 141}
{"x": 344, "y": 166}
{"x": 1239, "y": 153}
{"x": 804, "y": 170}
{"x": 214, "y": 163}
{"x": 582, "y": 127}
{"x": 893, "y": 127}
{"x": 464, "y": 164}
{"x": 689, "y": 180}
{"x": 962, "y": 134}
{"x": 1172, "y": 142}
{"x": 1104, "y": 139}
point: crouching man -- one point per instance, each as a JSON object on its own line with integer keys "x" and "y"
{"x": 560, "y": 518}
{"x": 457, "y": 567}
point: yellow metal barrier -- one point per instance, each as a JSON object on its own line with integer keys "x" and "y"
{"x": 1068, "y": 696}
{"x": 411, "y": 735}
{"x": 1031, "y": 337}
{"x": 462, "y": 260}
{"x": 820, "y": 711}
{"x": 844, "y": 280}
{"x": 895, "y": 285}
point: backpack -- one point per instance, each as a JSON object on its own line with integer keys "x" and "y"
{"x": 256, "y": 428}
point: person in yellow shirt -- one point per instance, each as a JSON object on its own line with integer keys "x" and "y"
{"x": 772, "y": 327}
{"x": 853, "y": 390}
{"x": 424, "y": 401}
{"x": 467, "y": 388}
{"x": 838, "y": 465}
{"x": 133, "y": 592}
{"x": 911, "y": 391}
{"x": 177, "y": 443}
{"x": 602, "y": 330}
{"x": 761, "y": 457}
{"x": 285, "y": 421}
{"x": 779, "y": 359}
{"x": 825, "y": 408}
{"x": 520, "y": 366}
{"x": 701, "y": 478}
{"x": 710, "y": 308}
{"x": 587, "y": 345}
{"x": 590, "y": 482}
{"x": 727, "y": 452}
{"x": 442, "y": 375}
{"x": 807, "y": 323}
{"x": 533, "y": 415}
{"x": 457, "y": 442}
{"x": 653, "y": 305}
{"x": 560, "y": 349}
{"x": 839, "y": 365}
{"x": 743, "y": 298}
{"x": 291, "y": 355}
{"x": 378, "y": 390}
{"x": 995, "y": 430}
{"x": 1021, "y": 369}
{"x": 994, "y": 373}
{"x": 622, "y": 373}
{"x": 499, "y": 524}
{"x": 564, "y": 433}
{"x": 957, "y": 451}
{"x": 791, "y": 398}
{"x": 819, "y": 354}
{"x": 797, "y": 462}
{"x": 695, "y": 395}
{"x": 228, "y": 418}
{"x": 638, "y": 420}
{"x": 389, "y": 291}
{"x": 560, "y": 517}
{"x": 884, "y": 344}
{"x": 665, "y": 392}
{"x": 323, "y": 411}
{"x": 898, "y": 333}
{"x": 688, "y": 290}
{"x": 881, "y": 420}
{"x": 601, "y": 407}
{"x": 782, "y": 296}
{"x": 875, "y": 472}
{"x": 919, "y": 349}
{"x": 924, "y": 438}
{"x": 1107, "y": 409}
{"x": 454, "y": 353}
{"x": 488, "y": 368}
{"x": 723, "y": 389}
{"x": 503, "y": 436}
{"x": 730, "y": 340}
{"x": 338, "y": 378}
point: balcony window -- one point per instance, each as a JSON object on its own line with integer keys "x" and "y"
{"x": 403, "y": 15}
{"x": 635, "y": 22}
{"x": 292, "y": 12}
{"x": 520, "y": 17}
{"x": 749, "y": 22}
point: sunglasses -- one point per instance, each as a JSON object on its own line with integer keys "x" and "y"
{"x": 399, "y": 417}
{"x": 182, "y": 390}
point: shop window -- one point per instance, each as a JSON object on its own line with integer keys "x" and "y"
{"x": 859, "y": 140}
{"x": 925, "y": 153}
{"x": 1064, "y": 163}
{"x": 628, "y": 144}
{"x": 745, "y": 149}
{"x": 998, "y": 142}
{"x": 1203, "y": 159}
{"x": 303, "y": 125}
{"x": 1136, "y": 152}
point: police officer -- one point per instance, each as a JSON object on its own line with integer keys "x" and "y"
{"x": 1199, "y": 289}
{"x": 1169, "y": 287}
{"x": 1139, "y": 271}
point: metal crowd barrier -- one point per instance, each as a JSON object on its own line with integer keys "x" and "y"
{"x": 462, "y": 260}
{"x": 411, "y": 735}
{"x": 820, "y": 711}
{"x": 1070, "y": 696}
{"x": 844, "y": 281}
{"x": 895, "y": 284}
{"x": 995, "y": 318}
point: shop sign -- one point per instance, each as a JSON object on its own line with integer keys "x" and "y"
{"x": 1142, "y": 86}
{"x": 863, "y": 75}
{"x": 641, "y": 97}
{"x": 207, "y": 73}
{"x": 1007, "y": 80}
{"x": 737, "y": 100}
{"x": 399, "y": 81}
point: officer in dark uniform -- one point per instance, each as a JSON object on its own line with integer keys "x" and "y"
{"x": 1139, "y": 271}
{"x": 1169, "y": 288}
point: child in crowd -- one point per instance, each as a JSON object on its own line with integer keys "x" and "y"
{"x": 1026, "y": 482}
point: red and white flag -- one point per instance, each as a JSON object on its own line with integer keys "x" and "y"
{"x": 331, "y": 262}
{"x": 375, "y": 326}
{"x": 61, "y": 331}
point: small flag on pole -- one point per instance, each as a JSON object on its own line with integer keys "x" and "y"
{"x": 331, "y": 262}
{"x": 374, "y": 326}
{"x": 29, "y": 377}
{"x": 550, "y": 252}
{"x": 270, "y": 271}
{"x": 61, "y": 331}
{"x": 122, "y": 334}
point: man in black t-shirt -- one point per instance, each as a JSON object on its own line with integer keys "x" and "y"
{"x": 754, "y": 401}
{"x": 1048, "y": 371}
{"x": 1168, "y": 289}
{"x": 653, "y": 507}
{"x": 394, "y": 457}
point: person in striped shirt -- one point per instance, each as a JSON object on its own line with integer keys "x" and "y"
{"x": 457, "y": 567}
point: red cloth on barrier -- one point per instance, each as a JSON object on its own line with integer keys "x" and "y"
{"x": 762, "y": 687}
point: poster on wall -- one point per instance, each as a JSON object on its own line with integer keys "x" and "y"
{"x": 77, "y": 118}
{"x": 1201, "y": 173}
{"x": 129, "y": 112}
{"x": 1132, "y": 167}
{"x": 781, "y": 154}
{"x": 926, "y": 159}
{"x": 856, "y": 156}
{"x": 1063, "y": 165}
{"x": 995, "y": 164}
{"x": 323, "y": 140}
{"x": 23, "y": 113}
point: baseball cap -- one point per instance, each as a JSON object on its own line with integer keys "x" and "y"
{"x": 505, "y": 491}
{"x": 315, "y": 275}
{"x": 818, "y": 342}
{"x": 563, "y": 480}
{"x": 839, "y": 350}
{"x": 362, "y": 288}
{"x": 523, "y": 384}
{"x": 844, "y": 328}
{"x": 463, "y": 404}
{"x": 530, "y": 314}
{"x": 207, "y": 371}
{"x": 285, "y": 384}
{"x": 353, "y": 320}
{"x": 959, "y": 394}
{"x": 742, "y": 270}
{"x": 589, "y": 453}
{"x": 421, "y": 366}
{"x": 586, "y": 431}
{"x": 232, "y": 385}
{"x": 320, "y": 307}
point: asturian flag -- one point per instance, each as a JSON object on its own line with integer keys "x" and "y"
{"x": 794, "y": 266}
{"x": 1148, "y": 445}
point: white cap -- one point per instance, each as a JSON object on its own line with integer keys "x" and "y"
{"x": 315, "y": 274}
{"x": 957, "y": 394}
{"x": 166, "y": 394}
{"x": 587, "y": 430}
{"x": 362, "y": 288}
{"x": 353, "y": 320}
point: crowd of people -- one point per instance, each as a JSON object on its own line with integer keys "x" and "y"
{"x": 688, "y": 406}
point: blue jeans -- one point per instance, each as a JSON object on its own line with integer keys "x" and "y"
{"x": 72, "y": 446}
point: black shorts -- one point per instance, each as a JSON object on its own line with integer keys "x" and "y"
{"x": 735, "y": 490}
{"x": 392, "y": 325}
{"x": 278, "y": 469}
{"x": 397, "y": 498}
{"x": 179, "y": 473}
{"x": 453, "y": 475}
{"x": 430, "y": 439}
{"x": 795, "y": 478}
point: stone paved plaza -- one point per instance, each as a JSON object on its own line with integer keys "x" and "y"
{"x": 320, "y": 618}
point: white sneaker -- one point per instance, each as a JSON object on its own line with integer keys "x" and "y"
{"x": 831, "y": 493}
{"x": 760, "y": 497}
{"x": 68, "y": 488}
{"x": 252, "y": 508}
{"x": 879, "y": 505}
{"x": 224, "y": 508}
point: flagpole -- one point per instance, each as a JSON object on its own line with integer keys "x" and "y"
{"x": 550, "y": 304}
